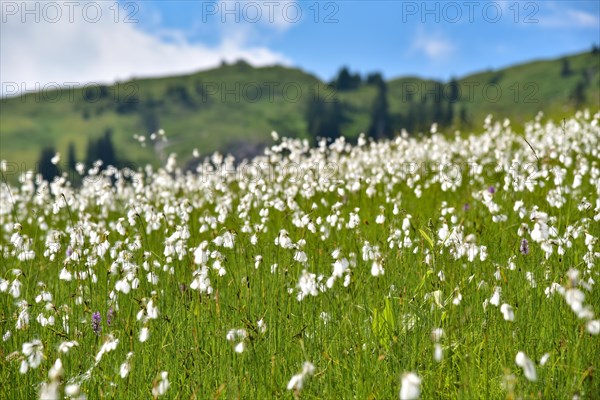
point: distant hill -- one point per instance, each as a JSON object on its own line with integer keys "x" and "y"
{"x": 235, "y": 107}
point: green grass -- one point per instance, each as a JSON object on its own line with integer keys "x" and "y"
{"x": 352, "y": 358}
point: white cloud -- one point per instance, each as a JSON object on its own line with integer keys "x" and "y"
{"x": 435, "y": 47}
{"x": 583, "y": 19}
{"x": 558, "y": 16}
{"x": 103, "y": 52}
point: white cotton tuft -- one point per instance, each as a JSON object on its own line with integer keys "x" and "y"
{"x": 410, "y": 388}
{"x": 527, "y": 365}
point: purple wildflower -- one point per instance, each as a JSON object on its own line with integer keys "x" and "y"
{"x": 524, "y": 247}
{"x": 492, "y": 189}
{"x": 96, "y": 319}
{"x": 69, "y": 251}
{"x": 109, "y": 315}
{"x": 466, "y": 207}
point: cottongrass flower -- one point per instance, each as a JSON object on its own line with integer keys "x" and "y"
{"x": 56, "y": 371}
{"x": 240, "y": 347}
{"x": 125, "y": 367}
{"x": 201, "y": 281}
{"x": 508, "y": 312}
{"x": 228, "y": 240}
{"x": 544, "y": 359}
{"x": 283, "y": 240}
{"x": 160, "y": 386}
{"x": 300, "y": 256}
{"x": 307, "y": 285}
{"x": 436, "y": 299}
{"x": 261, "y": 325}
{"x": 377, "y": 269}
{"x": 527, "y": 365}
{"x": 495, "y": 299}
{"x": 235, "y": 335}
{"x": 109, "y": 345}
{"x": 436, "y": 334}
{"x": 144, "y": 334}
{"x": 51, "y": 390}
{"x": 326, "y": 318}
{"x": 64, "y": 347}
{"x": 15, "y": 289}
{"x": 593, "y": 326}
{"x": 34, "y": 353}
{"x": 438, "y": 352}
{"x": 56, "y": 159}
{"x": 297, "y": 381}
{"x": 410, "y": 388}
{"x": 72, "y": 390}
{"x": 457, "y": 299}
{"x": 65, "y": 275}
{"x": 24, "y": 367}
{"x": 201, "y": 253}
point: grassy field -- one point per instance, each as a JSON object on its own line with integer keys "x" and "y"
{"x": 315, "y": 273}
{"x": 225, "y": 108}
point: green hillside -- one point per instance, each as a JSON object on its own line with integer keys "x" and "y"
{"x": 541, "y": 85}
{"x": 235, "y": 107}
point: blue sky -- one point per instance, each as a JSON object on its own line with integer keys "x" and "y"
{"x": 434, "y": 39}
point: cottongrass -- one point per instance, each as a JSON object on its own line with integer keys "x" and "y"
{"x": 296, "y": 383}
{"x": 410, "y": 387}
{"x": 527, "y": 365}
{"x": 365, "y": 268}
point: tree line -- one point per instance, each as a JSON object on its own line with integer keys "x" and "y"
{"x": 101, "y": 148}
{"x": 325, "y": 117}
